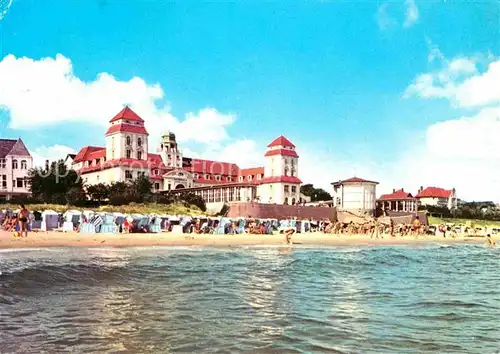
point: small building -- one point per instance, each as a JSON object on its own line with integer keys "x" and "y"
{"x": 15, "y": 162}
{"x": 399, "y": 201}
{"x": 68, "y": 161}
{"x": 356, "y": 195}
{"x": 437, "y": 197}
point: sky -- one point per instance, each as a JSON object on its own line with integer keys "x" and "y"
{"x": 406, "y": 93}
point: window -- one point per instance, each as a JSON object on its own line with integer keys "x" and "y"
{"x": 128, "y": 154}
{"x": 287, "y": 189}
{"x": 207, "y": 176}
{"x": 129, "y": 141}
{"x": 139, "y": 142}
{"x": 14, "y": 164}
{"x": 128, "y": 174}
{"x": 19, "y": 182}
{"x": 294, "y": 189}
{"x": 286, "y": 201}
{"x": 240, "y": 178}
{"x": 217, "y": 178}
{"x": 195, "y": 176}
{"x": 249, "y": 177}
{"x": 3, "y": 163}
{"x": 229, "y": 178}
{"x": 286, "y": 161}
{"x": 24, "y": 165}
{"x": 259, "y": 176}
{"x": 169, "y": 186}
{"x": 286, "y": 171}
{"x": 157, "y": 185}
{"x": 139, "y": 155}
{"x": 293, "y": 201}
{"x": 97, "y": 177}
{"x": 3, "y": 182}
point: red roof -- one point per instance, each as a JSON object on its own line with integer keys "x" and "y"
{"x": 84, "y": 152}
{"x": 353, "y": 180}
{"x": 281, "y": 141}
{"x": 399, "y": 194}
{"x": 96, "y": 155}
{"x": 282, "y": 152}
{"x": 128, "y": 114}
{"x": 213, "y": 167}
{"x": 252, "y": 171}
{"x": 284, "y": 179}
{"x": 434, "y": 192}
{"x": 126, "y": 128}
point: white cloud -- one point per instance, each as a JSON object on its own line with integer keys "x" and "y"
{"x": 51, "y": 153}
{"x": 412, "y": 14}
{"x": 384, "y": 19}
{"x": 460, "y": 81}
{"x": 4, "y": 8}
{"x": 47, "y": 92}
{"x": 465, "y": 152}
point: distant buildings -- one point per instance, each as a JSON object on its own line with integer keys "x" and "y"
{"x": 15, "y": 162}
{"x": 356, "y": 195}
{"x": 126, "y": 156}
{"x": 437, "y": 197}
{"x": 398, "y": 200}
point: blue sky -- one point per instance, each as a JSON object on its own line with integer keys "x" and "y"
{"x": 329, "y": 75}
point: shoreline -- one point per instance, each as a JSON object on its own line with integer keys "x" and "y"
{"x": 318, "y": 239}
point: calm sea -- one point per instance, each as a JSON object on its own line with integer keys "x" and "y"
{"x": 428, "y": 299}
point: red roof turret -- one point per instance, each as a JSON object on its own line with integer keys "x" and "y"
{"x": 128, "y": 114}
{"x": 281, "y": 141}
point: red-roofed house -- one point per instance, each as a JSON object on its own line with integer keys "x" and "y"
{"x": 398, "y": 200}
{"x": 437, "y": 197}
{"x": 126, "y": 156}
{"x": 15, "y": 162}
{"x": 356, "y": 195}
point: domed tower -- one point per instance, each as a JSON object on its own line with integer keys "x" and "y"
{"x": 170, "y": 153}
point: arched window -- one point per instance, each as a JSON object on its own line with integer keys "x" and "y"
{"x": 129, "y": 141}
{"x": 128, "y": 154}
{"x": 286, "y": 201}
{"x": 286, "y": 171}
{"x": 14, "y": 164}
{"x": 293, "y": 201}
{"x": 24, "y": 165}
{"x": 139, "y": 142}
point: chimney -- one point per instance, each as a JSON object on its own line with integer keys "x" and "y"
{"x": 421, "y": 189}
{"x": 402, "y": 189}
{"x": 394, "y": 190}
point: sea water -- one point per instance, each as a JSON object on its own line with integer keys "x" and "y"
{"x": 426, "y": 299}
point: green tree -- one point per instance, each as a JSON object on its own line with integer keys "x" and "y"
{"x": 98, "y": 192}
{"x": 316, "y": 194}
{"x": 51, "y": 184}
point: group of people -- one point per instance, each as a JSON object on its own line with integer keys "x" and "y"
{"x": 21, "y": 218}
{"x": 377, "y": 229}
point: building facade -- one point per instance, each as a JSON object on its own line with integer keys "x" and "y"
{"x": 356, "y": 195}
{"x": 15, "y": 162}
{"x": 125, "y": 157}
{"x": 399, "y": 201}
{"x": 438, "y": 197}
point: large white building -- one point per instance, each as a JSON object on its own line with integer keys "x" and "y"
{"x": 15, "y": 162}
{"x": 356, "y": 195}
{"x": 438, "y": 197}
{"x": 125, "y": 157}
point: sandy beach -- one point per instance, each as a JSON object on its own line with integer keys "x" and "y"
{"x": 73, "y": 239}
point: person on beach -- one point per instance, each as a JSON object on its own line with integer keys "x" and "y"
{"x": 489, "y": 241}
{"x": 23, "y": 216}
{"x": 416, "y": 224}
{"x": 288, "y": 235}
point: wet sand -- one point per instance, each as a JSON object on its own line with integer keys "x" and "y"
{"x": 73, "y": 239}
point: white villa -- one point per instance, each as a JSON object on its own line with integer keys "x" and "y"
{"x": 355, "y": 195}
{"x": 125, "y": 157}
{"x": 438, "y": 197}
{"x": 15, "y": 162}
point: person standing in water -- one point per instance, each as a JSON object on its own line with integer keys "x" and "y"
{"x": 489, "y": 241}
{"x": 23, "y": 220}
